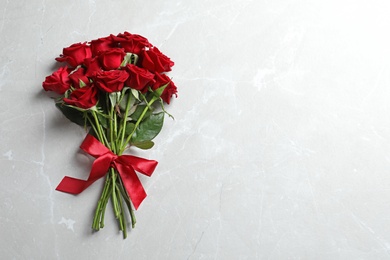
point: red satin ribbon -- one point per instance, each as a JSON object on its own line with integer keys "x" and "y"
{"x": 124, "y": 164}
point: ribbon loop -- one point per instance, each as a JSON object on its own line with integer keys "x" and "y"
{"x": 126, "y": 165}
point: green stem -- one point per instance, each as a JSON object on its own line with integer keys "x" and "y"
{"x": 112, "y": 140}
{"x": 133, "y": 219}
{"x": 122, "y": 218}
{"x": 123, "y": 126}
{"x": 93, "y": 125}
{"x": 126, "y": 198}
{"x": 99, "y": 130}
{"x": 98, "y": 220}
{"x": 154, "y": 98}
{"x": 104, "y": 206}
{"x": 115, "y": 141}
{"x": 113, "y": 194}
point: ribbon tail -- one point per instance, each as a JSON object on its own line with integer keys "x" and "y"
{"x": 75, "y": 186}
{"x": 132, "y": 184}
{"x": 141, "y": 165}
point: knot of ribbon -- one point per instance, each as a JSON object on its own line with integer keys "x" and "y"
{"x": 126, "y": 165}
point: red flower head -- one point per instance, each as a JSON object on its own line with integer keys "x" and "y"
{"x": 58, "y": 81}
{"x": 101, "y": 44}
{"x": 131, "y": 42}
{"x": 85, "y": 97}
{"x": 156, "y": 61}
{"x": 93, "y": 66}
{"x": 78, "y": 75}
{"x": 111, "y": 59}
{"x": 139, "y": 78}
{"x": 169, "y": 91}
{"x": 112, "y": 80}
{"x": 75, "y": 54}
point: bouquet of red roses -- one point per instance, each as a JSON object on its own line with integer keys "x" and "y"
{"x": 115, "y": 87}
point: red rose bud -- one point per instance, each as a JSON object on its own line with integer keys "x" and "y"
{"x": 78, "y": 75}
{"x": 112, "y": 80}
{"x": 156, "y": 61}
{"x": 101, "y": 44}
{"x": 58, "y": 81}
{"x": 111, "y": 59}
{"x": 85, "y": 97}
{"x": 169, "y": 91}
{"x": 139, "y": 78}
{"x": 75, "y": 54}
{"x": 131, "y": 42}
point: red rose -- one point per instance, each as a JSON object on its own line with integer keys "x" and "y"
{"x": 58, "y": 81}
{"x": 112, "y": 80}
{"x": 78, "y": 75}
{"x": 101, "y": 44}
{"x": 139, "y": 78}
{"x": 131, "y": 42}
{"x": 75, "y": 54}
{"x": 111, "y": 59}
{"x": 93, "y": 66}
{"x": 156, "y": 61}
{"x": 85, "y": 97}
{"x": 169, "y": 91}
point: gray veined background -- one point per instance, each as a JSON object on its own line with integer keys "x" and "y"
{"x": 279, "y": 148}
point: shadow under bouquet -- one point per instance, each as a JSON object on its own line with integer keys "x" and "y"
{"x": 116, "y": 88}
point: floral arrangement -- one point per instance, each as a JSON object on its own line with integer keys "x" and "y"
{"x": 116, "y": 88}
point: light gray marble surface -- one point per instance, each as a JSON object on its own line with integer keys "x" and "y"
{"x": 279, "y": 148}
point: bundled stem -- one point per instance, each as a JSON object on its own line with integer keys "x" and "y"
{"x": 116, "y": 142}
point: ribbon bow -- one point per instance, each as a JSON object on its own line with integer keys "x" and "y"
{"x": 124, "y": 164}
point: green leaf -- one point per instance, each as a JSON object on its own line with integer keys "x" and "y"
{"x": 138, "y": 111}
{"x": 103, "y": 120}
{"x": 124, "y": 98}
{"x": 133, "y": 58}
{"x": 158, "y": 92}
{"x": 82, "y": 83}
{"x": 126, "y": 60}
{"x": 130, "y": 58}
{"x": 74, "y": 115}
{"x": 114, "y": 97}
{"x": 149, "y": 128}
{"x": 135, "y": 93}
{"x": 144, "y": 145}
{"x": 129, "y": 128}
